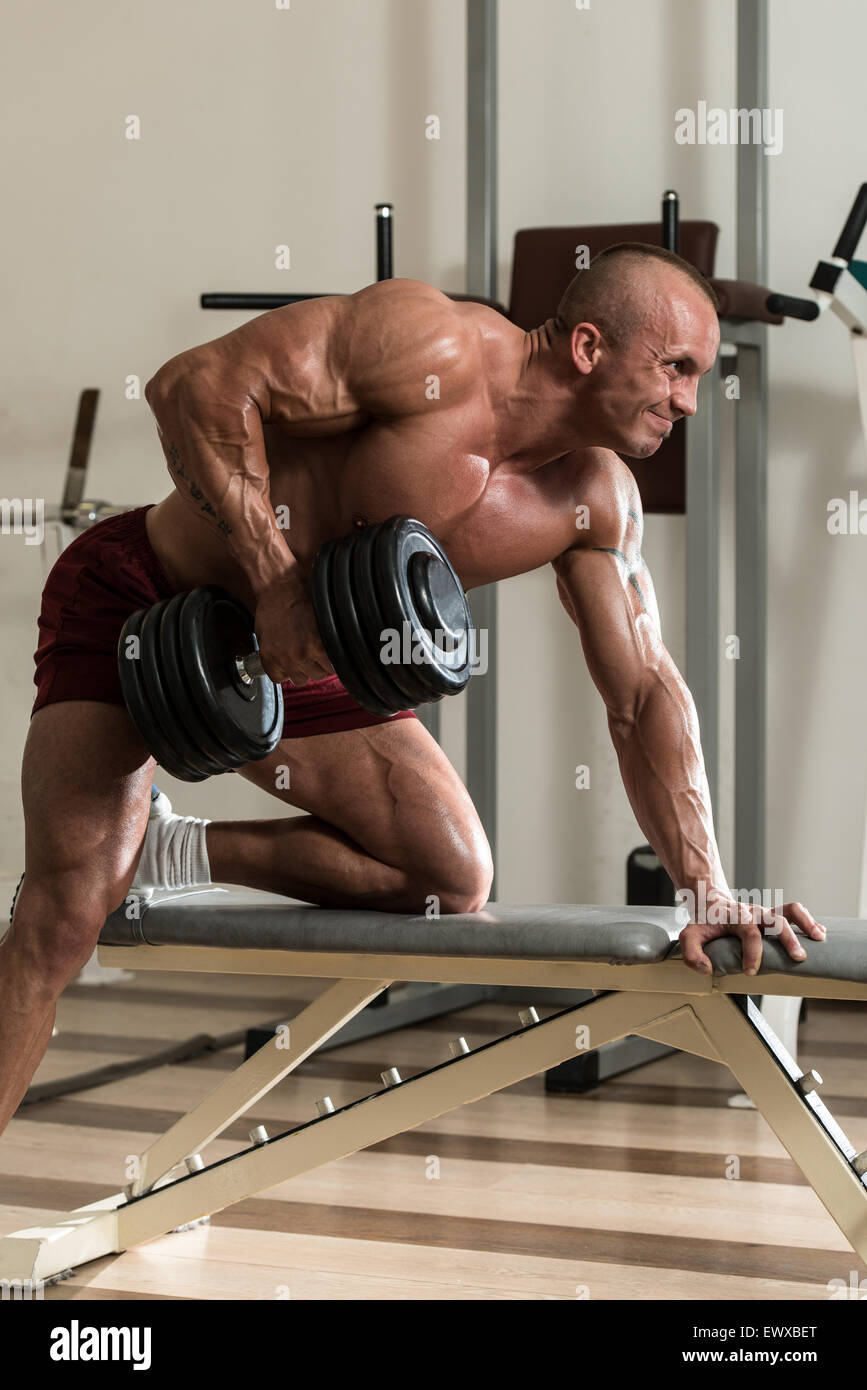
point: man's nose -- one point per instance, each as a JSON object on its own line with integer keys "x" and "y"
{"x": 683, "y": 397}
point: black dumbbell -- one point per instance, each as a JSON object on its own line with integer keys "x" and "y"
{"x": 195, "y": 687}
{"x": 392, "y": 616}
{"x": 393, "y": 619}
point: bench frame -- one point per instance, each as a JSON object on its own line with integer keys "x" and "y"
{"x": 664, "y": 1001}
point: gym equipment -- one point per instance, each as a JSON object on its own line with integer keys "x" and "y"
{"x": 628, "y": 956}
{"x": 195, "y": 687}
{"x": 393, "y": 618}
{"x": 839, "y": 284}
{"x": 392, "y": 578}
{"x": 671, "y": 221}
{"x": 75, "y": 510}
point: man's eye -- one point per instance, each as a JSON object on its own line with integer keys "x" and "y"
{"x": 677, "y": 364}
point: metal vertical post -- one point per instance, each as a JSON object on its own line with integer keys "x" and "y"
{"x": 751, "y": 600}
{"x": 482, "y": 147}
{"x": 702, "y": 568}
{"x": 482, "y": 280}
{"x": 752, "y": 94}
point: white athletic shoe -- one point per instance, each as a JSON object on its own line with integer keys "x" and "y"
{"x": 161, "y": 809}
{"x": 174, "y": 855}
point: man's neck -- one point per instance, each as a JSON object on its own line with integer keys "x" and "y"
{"x": 536, "y": 412}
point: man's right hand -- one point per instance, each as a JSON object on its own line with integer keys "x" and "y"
{"x": 726, "y": 916}
{"x": 289, "y": 640}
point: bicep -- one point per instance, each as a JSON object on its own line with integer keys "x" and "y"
{"x": 610, "y": 598}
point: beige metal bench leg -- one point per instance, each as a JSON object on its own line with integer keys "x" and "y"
{"x": 324, "y": 1017}
{"x": 769, "y": 1075}
{"x": 782, "y": 1012}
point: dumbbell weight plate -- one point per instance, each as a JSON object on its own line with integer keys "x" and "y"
{"x": 214, "y": 629}
{"x": 350, "y": 587}
{"x": 411, "y": 689}
{"x": 416, "y": 581}
{"x": 443, "y": 618}
{"x": 161, "y": 697}
{"x": 354, "y": 577}
{"x": 328, "y": 606}
{"x": 200, "y": 746}
{"x": 443, "y": 612}
{"x": 139, "y": 707}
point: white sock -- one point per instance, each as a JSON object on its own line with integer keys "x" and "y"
{"x": 174, "y": 854}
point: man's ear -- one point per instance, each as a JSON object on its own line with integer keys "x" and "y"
{"x": 586, "y": 345}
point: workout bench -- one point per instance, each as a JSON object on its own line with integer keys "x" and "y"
{"x": 626, "y": 955}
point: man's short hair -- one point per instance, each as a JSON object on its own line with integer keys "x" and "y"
{"x": 608, "y": 292}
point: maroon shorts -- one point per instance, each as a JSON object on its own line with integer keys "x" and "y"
{"x": 108, "y": 572}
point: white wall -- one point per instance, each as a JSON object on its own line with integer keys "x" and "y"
{"x": 262, "y": 126}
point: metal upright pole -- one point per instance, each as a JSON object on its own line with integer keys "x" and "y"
{"x": 482, "y": 280}
{"x": 702, "y": 568}
{"x": 482, "y": 147}
{"x": 752, "y": 163}
{"x": 751, "y": 485}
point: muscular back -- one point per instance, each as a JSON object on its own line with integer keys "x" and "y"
{"x": 346, "y": 410}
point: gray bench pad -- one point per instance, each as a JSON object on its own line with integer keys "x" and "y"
{"x": 616, "y": 935}
{"x": 841, "y": 956}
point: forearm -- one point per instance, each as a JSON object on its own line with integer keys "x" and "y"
{"x": 662, "y": 767}
{"x": 215, "y": 452}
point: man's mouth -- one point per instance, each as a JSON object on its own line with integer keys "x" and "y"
{"x": 663, "y": 418}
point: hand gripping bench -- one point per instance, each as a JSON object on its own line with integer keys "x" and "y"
{"x": 627, "y": 955}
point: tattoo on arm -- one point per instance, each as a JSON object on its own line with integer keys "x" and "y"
{"x": 631, "y": 566}
{"x": 176, "y": 466}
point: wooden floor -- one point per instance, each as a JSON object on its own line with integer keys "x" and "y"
{"x": 618, "y": 1194}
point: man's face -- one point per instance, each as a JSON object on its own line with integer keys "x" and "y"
{"x": 638, "y": 391}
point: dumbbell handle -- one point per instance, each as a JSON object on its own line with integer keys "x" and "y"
{"x": 249, "y": 667}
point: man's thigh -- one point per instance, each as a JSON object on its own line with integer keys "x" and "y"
{"x": 85, "y": 784}
{"x": 390, "y": 788}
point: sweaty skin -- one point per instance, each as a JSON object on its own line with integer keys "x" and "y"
{"x": 343, "y": 411}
